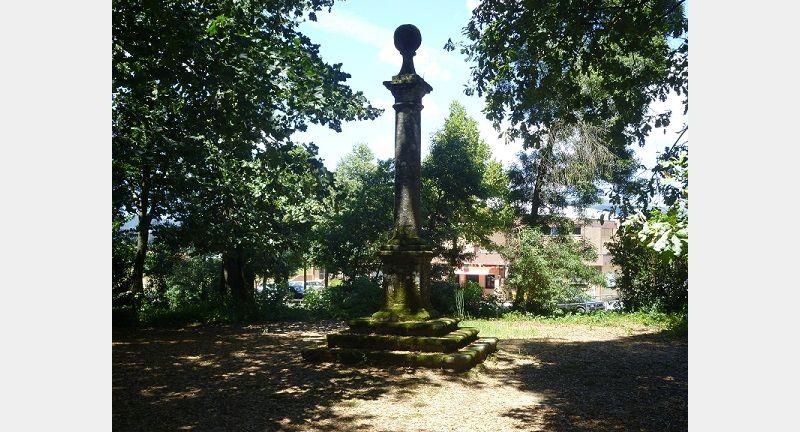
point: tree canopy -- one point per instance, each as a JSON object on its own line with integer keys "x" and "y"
{"x": 357, "y": 216}
{"x": 539, "y": 62}
{"x": 575, "y": 78}
{"x": 464, "y": 189}
{"x": 205, "y": 98}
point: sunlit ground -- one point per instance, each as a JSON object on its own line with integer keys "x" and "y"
{"x": 549, "y": 376}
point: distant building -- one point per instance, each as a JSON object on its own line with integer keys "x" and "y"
{"x": 311, "y": 273}
{"x": 489, "y": 269}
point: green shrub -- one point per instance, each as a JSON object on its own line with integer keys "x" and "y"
{"x": 649, "y": 281}
{"x": 473, "y": 294}
{"x": 363, "y": 297}
{"x": 490, "y": 307}
{"x": 360, "y": 297}
{"x": 542, "y": 268}
{"x": 443, "y": 297}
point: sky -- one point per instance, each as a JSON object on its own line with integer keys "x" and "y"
{"x": 359, "y": 34}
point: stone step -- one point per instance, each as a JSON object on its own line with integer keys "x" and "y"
{"x": 434, "y": 327}
{"x": 444, "y": 344}
{"x": 462, "y": 360}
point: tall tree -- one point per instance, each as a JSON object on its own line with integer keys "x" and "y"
{"x": 255, "y": 213}
{"x": 564, "y": 172}
{"x": 357, "y": 218}
{"x": 544, "y": 65}
{"x": 465, "y": 191}
{"x": 204, "y": 95}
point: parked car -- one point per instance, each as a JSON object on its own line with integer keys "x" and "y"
{"x": 582, "y": 306}
{"x": 315, "y": 284}
{"x": 297, "y": 289}
{"x": 613, "y": 305}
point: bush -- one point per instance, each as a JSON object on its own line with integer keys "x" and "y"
{"x": 363, "y": 297}
{"x": 649, "y": 281}
{"x": 490, "y": 307}
{"x": 542, "y": 268}
{"x": 473, "y": 294}
{"x": 443, "y": 297}
{"x": 351, "y": 299}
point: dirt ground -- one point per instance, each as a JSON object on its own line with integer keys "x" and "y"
{"x": 232, "y": 378}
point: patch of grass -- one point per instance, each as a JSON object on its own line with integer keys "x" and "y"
{"x": 516, "y": 325}
{"x": 500, "y": 328}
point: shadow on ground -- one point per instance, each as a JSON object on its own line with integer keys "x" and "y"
{"x": 253, "y": 379}
{"x": 630, "y": 383}
{"x": 236, "y": 378}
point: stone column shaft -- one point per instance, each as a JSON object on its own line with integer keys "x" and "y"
{"x": 407, "y": 182}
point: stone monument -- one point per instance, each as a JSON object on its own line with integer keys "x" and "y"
{"x": 406, "y": 331}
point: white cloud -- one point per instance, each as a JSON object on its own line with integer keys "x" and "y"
{"x": 354, "y": 27}
{"x": 428, "y": 61}
{"x": 504, "y": 152}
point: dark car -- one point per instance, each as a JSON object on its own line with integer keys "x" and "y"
{"x": 297, "y": 289}
{"x": 581, "y": 306}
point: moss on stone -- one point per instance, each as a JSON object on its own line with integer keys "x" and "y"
{"x": 452, "y": 342}
{"x": 460, "y": 361}
{"x": 434, "y": 327}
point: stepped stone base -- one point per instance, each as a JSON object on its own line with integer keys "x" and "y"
{"x": 459, "y": 361}
{"x": 445, "y": 344}
{"x": 435, "y": 343}
{"x": 434, "y": 327}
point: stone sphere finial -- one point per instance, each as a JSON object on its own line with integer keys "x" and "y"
{"x": 407, "y": 39}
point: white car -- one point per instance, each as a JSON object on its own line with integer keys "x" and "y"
{"x": 613, "y": 305}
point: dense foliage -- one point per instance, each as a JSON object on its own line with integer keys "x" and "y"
{"x": 205, "y": 99}
{"x": 210, "y": 192}
{"x": 652, "y": 246}
{"x": 540, "y": 62}
{"x": 357, "y": 298}
{"x": 464, "y": 189}
{"x": 545, "y": 270}
{"x": 357, "y": 215}
{"x": 575, "y": 81}
{"x": 575, "y": 73}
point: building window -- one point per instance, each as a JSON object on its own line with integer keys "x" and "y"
{"x": 473, "y": 278}
{"x": 576, "y": 231}
{"x": 489, "y": 282}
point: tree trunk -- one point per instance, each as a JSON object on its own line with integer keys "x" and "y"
{"x": 222, "y": 287}
{"x": 143, "y": 232}
{"x": 304, "y": 275}
{"x": 237, "y": 279}
{"x": 326, "y": 278}
{"x": 541, "y": 172}
{"x": 451, "y": 276}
